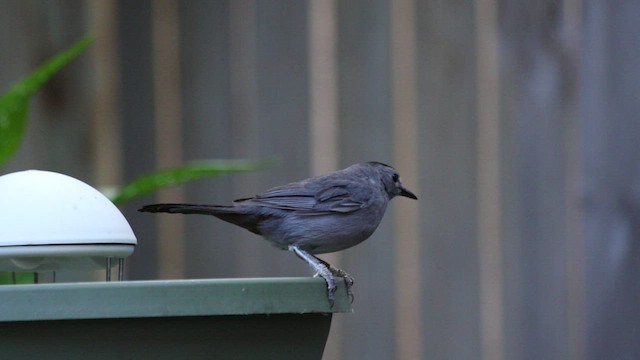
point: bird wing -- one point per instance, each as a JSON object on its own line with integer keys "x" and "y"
{"x": 310, "y": 200}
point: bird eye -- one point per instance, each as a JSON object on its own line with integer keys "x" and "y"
{"x": 395, "y": 177}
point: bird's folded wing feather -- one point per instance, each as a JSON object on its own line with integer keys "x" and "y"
{"x": 309, "y": 200}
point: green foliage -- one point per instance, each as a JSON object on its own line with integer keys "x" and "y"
{"x": 7, "y": 277}
{"x": 14, "y": 106}
{"x": 14, "y": 103}
{"x": 146, "y": 184}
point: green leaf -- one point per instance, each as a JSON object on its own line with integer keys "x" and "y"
{"x": 14, "y": 103}
{"x": 8, "y": 278}
{"x": 146, "y": 184}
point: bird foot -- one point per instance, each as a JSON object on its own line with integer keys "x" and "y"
{"x": 348, "y": 280}
{"x": 327, "y": 272}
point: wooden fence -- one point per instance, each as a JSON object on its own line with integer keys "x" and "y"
{"x": 515, "y": 123}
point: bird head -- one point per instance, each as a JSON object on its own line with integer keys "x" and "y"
{"x": 391, "y": 180}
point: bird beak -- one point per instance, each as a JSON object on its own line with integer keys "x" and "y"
{"x": 406, "y": 193}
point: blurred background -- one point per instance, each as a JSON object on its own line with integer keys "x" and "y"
{"x": 515, "y": 122}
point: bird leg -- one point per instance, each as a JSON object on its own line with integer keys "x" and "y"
{"x": 348, "y": 279}
{"x": 327, "y": 271}
{"x": 321, "y": 269}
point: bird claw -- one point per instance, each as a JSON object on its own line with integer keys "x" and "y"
{"x": 331, "y": 290}
{"x": 331, "y": 286}
{"x": 348, "y": 282}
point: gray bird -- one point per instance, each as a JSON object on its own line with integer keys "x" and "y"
{"x": 318, "y": 215}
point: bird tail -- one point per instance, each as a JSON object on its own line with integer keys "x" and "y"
{"x": 185, "y": 209}
{"x": 231, "y": 214}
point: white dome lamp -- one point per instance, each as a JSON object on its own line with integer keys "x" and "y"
{"x": 50, "y": 221}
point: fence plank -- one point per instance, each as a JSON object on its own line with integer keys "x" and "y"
{"x": 168, "y": 132}
{"x": 538, "y": 91}
{"x": 136, "y": 115}
{"x": 489, "y": 212}
{"x": 408, "y": 277}
{"x": 612, "y": 177}
{"x": 323, "y": 120}
{"x": 448, "y": 175}
{"x": 365, "y": 134}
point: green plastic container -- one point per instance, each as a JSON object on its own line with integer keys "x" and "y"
{"x": 264, "y": 318}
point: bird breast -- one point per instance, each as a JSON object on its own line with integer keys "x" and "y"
{"x": 319, "y": 234}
